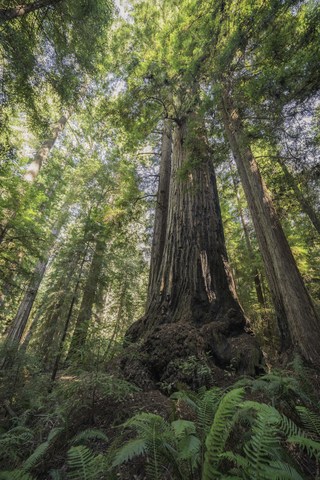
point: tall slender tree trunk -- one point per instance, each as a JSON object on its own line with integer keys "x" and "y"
{"x": 21, "y": 318}
{"x": 254, "y": 270}
{"x": 161, "y": 210}
{"x": 51, "y": 335}
{"x": 118, "y": 322}
{"x": 42, "y": 154}
{"x": 19, "y": 323}
{"x": 89, "y": 297}
{"x": 297, "y": 319}
{"x": 64, "y": 333}
{"x": 23, "y": 9}
{"x": 193, "y": 306}
{"x": 305, "y": 205}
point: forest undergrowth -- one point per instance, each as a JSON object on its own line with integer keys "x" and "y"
{"x": 93, "y": 424}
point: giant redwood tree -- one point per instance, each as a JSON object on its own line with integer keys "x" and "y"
{"x": 193, "y": 308}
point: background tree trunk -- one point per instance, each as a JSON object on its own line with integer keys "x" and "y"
{"x": 89, "y": 296}
{"x": 305, "y": 205}
{"x": 254, "y": 270}
{"x": 42, "y": 154}
{"x": 296, "y": 315}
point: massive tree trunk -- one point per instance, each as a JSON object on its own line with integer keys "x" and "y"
{"x": 193, "y": 308}
{"x": 23, "y": 9}
{"x": 42, "y": 154}
{"x": 89, "y": 297}
{"x": 296, "y": 315}
{"x": 161, "y": 210}
{"x": 305, "y": 205}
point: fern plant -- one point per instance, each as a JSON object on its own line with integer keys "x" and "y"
{"x": 16, "y": 475}
{"x": 14, "y": 444}
{"x": 263, "y": 457}
{"x": 89, "y": 435}
{"x": 83, "y": 464}
{"x": 219, "y": 432}
{"x": 41, "y": 450}
{"x": 33, "y": 460}
{"x": 175, "y": 446}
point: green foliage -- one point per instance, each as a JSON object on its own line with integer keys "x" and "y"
{"x": 15, "y": 443}
{"x": 41, "y": 450}
{"x": 16, "y": 475}
{"x": 162, "y": 443}
{"x": 219, "y": 432}
{"x": 83, "y": 464}
{"x": 88, "y": 435}
{"x": 83, "y": 391}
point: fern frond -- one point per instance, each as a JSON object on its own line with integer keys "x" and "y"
{"x": 133, "y": 448}
{"x": 87, "y": 435}
{"x": 183, "y": 427}
{"x": 237, "y": 459}
{"x": 263, "y": 444}
{"x": 219, "y": 432}
{"x": 207, "y": 407}
{"x": 13, "y": 441}
{"x": 16, "y": 475}
{"x": 189, "y": 398}
{"x": 311, "y": 446}
{"x": 83, "y": 464}
{"x": 310, "y": 420}
{"x": 153, "y": 468}
{"x": 56, "y": 475}
{"x": 189, "y": 449}
{"x": 41, "y": 450}
{"x": 278, "y": 470}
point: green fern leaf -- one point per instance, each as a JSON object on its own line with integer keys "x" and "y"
{"x": 310, "y": 420}
{"x": 16, "y": 475}
{"x": 133, "y": 448}
{"x": 238, "y": 460}
{"x": 82, "y": 463}
{"x": 41, "y": 450}
{"x": 183, "y": 427}
{"x": 219, "y": 432}
{"x": 281, "y": 471}
{"x": 189, "y": 449}
{"x": 311, "y": 446}
{"x": 207, "y": 407}
{"x": 87, "y": 435}
{"x": 56, "y": 475}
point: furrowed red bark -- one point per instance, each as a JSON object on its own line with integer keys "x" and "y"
{"x": 192, "y": 280}
{"x": 297, "y": 318}
{"x": 161, "y": 210}
{"x": 193, "y": 308}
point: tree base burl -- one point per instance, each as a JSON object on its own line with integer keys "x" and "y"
{"x": 190, "y": 355}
